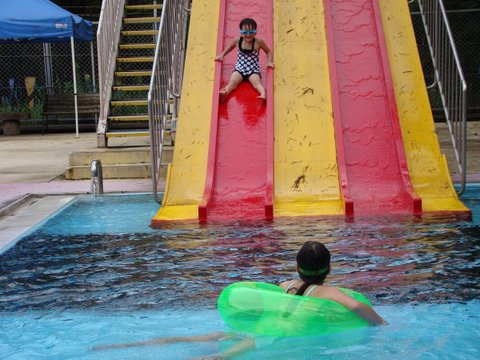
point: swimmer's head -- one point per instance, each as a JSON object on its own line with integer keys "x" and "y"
{"x": 248, "y": 22}
{"x": 313, "y": 262}
{"x": 248, "y": 27}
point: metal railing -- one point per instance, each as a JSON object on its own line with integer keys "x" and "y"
{"x": 448, "y": 77}
{"x": 108, "y": 36}
{"x": 166, "y": 81}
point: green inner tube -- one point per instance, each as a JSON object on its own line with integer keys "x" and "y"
{"x": 265, "y": 309}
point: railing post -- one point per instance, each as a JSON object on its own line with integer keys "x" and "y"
{"x": 165, "y": 84}
{"x": 108, "y": 36}
{"x": 96, "y": 175}
{"x": 448, "y": 77}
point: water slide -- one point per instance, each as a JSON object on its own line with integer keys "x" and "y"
{"x": 306, "y": 170}
{"x": 384, "y": 126}
{"x": 223, "y": 159}
{"x": 365, "y": 113}
{"x": 186, "y": 175}
{"x": 428, "y": 166}
{"x": 354, "y": 132}
{"x": 239, "y": 180}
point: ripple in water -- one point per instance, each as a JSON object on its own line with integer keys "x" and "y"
{"x": 391, "y": 262}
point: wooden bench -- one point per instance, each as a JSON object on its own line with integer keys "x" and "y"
{"x": 11, "y": 122}
{"x": 56, "y": 105}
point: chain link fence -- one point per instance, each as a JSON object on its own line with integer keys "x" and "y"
{"x": 464, "y": 26}
{"x": 29, "y": 71}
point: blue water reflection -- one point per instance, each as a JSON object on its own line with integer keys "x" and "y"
{"x": 97, "y": 273}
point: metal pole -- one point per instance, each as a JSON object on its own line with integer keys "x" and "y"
{"x": 47, "y": 58}
{"x": 93, "y": 68}
{"x": 96, "y": 174}
{"x": 72, "y": 43}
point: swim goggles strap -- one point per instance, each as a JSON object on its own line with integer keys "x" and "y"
{"x": 312, "y": 272}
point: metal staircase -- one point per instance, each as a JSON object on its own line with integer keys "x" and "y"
{"x": 127, "y": 39}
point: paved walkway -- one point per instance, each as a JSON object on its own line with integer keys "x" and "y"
{"x": 473, "y": 150}
{"x": 34, "y": 164}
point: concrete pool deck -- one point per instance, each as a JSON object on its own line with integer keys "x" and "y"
{"x": 34, "y": 164}
{"x": 473, "y": 150}
{"x": 32, "y": 167}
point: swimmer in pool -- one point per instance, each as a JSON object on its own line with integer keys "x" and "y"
{"x": 313, "y": 266}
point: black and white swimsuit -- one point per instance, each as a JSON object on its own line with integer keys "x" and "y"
{"x": 247, "y": 60}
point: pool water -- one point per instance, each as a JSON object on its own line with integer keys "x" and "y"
{"x": 96, "y": 273}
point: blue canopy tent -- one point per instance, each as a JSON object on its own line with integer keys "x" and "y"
{"x": 41, "y": 21}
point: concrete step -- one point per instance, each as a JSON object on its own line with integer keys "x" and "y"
{"x": 135, "y": 59}
{"x": 125, "y": 163}
{"x": 131, "y": 88}
{"x": 110, "y": 156}
{"x": 139, "y": 102}
{"x": 117, "y": 156}
{"x": 144, "y": 7}
{"x": 127, "y": 133}
{"x": 139, "y": 32}
{"x": 141, "y": 20}
{"x": 127, "y": 118}
{"x": 137, "y": 46}
{"x": 120, "y": 171}
{"x": 133, "y": 73}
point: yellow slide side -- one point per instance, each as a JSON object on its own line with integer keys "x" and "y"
{"x": 427, "y": 165}
{"x": 186, "y": 175}
{"x": 306, "y": 175}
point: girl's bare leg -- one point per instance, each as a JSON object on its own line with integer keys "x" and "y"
{"x": 235, "y": 79}
{"x": 237, "y": 349}
{"x": 256, "y": 81}
{"x": 220, "y": 335}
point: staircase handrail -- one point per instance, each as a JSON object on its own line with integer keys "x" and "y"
{"x": 166, "y": 81}
{"x": 108, "y": 37}
{"x": 449, "y": 77}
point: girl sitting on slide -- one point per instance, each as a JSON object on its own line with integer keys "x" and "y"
{"x": 247, "y": 66}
